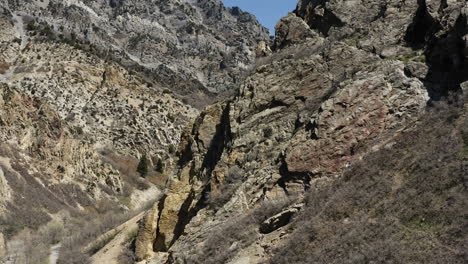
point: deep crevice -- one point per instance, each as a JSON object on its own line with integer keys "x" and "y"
{"x": 287, "y": 176}
{"x": 447, "y": 64}
{"x": 382, "y": 11}
{"x": 183, "y": 217}
{"x": 159, "y": 245}
{"x": 423, "y": 27}
{"x": 221, "y": 138}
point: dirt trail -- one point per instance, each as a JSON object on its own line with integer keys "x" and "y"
{"x": 54, "y": 254}
{"x": 110, "y": 253}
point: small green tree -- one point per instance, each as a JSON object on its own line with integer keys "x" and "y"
{"x": 172, "y": 149}
{"x": 143, "y": 166}
{"x": 160, "y": 166}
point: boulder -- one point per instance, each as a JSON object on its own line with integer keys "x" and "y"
{"x": 280, "y": 219}
{"x": 291, "y": 30}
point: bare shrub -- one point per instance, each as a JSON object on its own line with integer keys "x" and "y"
{"x": 73, "y": 256}
{"x": 37, "y": 244}
{"x": 403, "y": 204}
{"x": 80, "y": 232}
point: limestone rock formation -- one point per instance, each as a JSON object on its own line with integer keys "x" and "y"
{"x": 291, "y": 29}
{"x": 263, "y": 49}
{"x": 195, "y": 48}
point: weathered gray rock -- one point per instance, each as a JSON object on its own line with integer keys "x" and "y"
{"x": 158, "y": 258}
{"x": 417, "y": 69}
{"x": 290, "y": 30}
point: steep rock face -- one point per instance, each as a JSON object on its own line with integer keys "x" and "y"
{"x": 32, "y": 127}
{"x": 196, "y": 48}
{"x": 337, "y": 89}
{"x": 435, "y": 28}
{"x": 147, "y": 234}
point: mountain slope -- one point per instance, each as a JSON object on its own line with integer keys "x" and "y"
{"x": 340, "y": 92}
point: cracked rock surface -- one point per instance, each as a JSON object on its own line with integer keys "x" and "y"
{"x": 338, "y": 87}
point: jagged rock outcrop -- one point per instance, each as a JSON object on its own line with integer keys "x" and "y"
{"x": 147, "y": 234}
{"x": 346, "y": 83}
{"x": 102, "y": 101}
{"x": 291, "y": 30}
{"x": 195, "y": 48}
{"x": 263, "y": 49}
{"x": 340, "y": 86}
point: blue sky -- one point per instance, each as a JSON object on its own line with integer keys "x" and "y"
{"x": 268, "y": 12}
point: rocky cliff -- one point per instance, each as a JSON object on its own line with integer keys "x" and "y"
{"x": 333, "y": 137}
{"x": 198, "y": 49}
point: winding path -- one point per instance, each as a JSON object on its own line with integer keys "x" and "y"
{"x": 54, "y": 254}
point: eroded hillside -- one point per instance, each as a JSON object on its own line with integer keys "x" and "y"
{"x": 198, "y": 49}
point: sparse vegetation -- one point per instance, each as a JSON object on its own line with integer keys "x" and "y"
{"x": 405, "y": 204}
{"x": 237, "y": 233}
{"x": 83, "y": 233}
{"x": 267, "y": 132}
{"x": 4, "y": 67}
{"x": 127, "y": 166}
{"x": 172, "y": 149}
{"x": 128, "y": 254}
{"x": 416, "y": 56}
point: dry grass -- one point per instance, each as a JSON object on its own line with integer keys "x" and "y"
{"x": 4, "y": 67}
{"x": 237, "y": 233}
{"x": 404, "y": 204}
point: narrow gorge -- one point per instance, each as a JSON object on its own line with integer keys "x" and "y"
{"x": 179, "y": 131}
